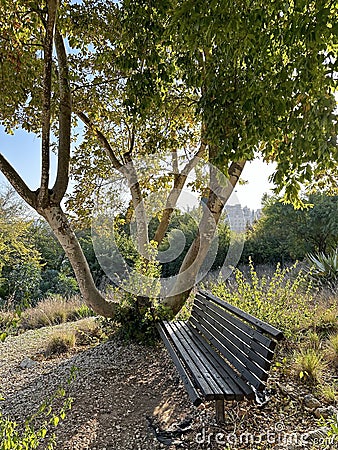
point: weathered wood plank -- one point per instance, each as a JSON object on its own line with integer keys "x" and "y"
{"x": 203, "y": 379}
{"x": 244, "y": 371}
{"x": 260, "y": 343}
{"x": 201, "y": 353}
{"x": 194, "y": 395}
{"x": 263, "y": 326}
{"x": 232, "y": 341}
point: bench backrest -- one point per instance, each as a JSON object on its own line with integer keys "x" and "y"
{"x": 246, "y": 342}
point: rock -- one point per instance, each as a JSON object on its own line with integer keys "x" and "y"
{"x": 311, "y": 402}
{"x": 286, "y": 390}
{"x": 326, "y": 412}
{"x": 28, "y": 363}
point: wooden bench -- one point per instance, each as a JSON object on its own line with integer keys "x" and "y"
{"x": 221, "y": 352}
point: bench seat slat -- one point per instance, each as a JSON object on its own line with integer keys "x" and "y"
{"x": 231, "y": 341}
{"x": 201, "y": 354}
{"x": 240, "y": 359}
{"x": 232, "y": 378}
{"x": 243, "y": 370}
{"x": 260, "y": 343}
{"x": 263, "y": 326}
{"x": 194, "y": 395}
{"x": 203, "y": 379}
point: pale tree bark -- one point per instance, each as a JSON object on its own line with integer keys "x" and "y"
{"x": 174, "y": 194}
{"x": 47, "y": 201}
{"x": 141, "y": 220}
{"x": 197, "y": 252}
{"x": 57, "y": 220}
{"x": 52, "y": 6}
{"x": 127, "y": 169}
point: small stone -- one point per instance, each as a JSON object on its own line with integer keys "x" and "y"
{"x": 326, "y": 412}
{"x": 28, "y": 363}
{"x": 311, "y": 402}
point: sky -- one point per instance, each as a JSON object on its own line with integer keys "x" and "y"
{"x": 23, "y": 151}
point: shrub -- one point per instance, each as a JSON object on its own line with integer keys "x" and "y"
{"x": 324, "y": 270}
{"x": 281, "y": 299}
{"x": 137, "y": 315}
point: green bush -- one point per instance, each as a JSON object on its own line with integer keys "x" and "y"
{"x": 281, "y": 299}
{"x": 137, "y": 315}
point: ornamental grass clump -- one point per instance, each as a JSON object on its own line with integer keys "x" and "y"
{"x": 309, "y": 365}
{"x": 60, "y": 342}
{"x": 332, "y": 350}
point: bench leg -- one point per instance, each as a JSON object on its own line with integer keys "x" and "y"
{"x": 220, "y": 417}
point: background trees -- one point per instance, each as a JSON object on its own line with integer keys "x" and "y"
{"x": 285, "y": 234}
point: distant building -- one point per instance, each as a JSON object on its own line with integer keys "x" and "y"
{"x": 241, "y": 218}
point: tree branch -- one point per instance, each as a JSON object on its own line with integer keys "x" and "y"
{"x": 102, "y": 139}
{"x": 17, "y": 182}
{"x": 65, "y": 113}
{"x": 174, "y": 194}
{"x": 46, "y": 106}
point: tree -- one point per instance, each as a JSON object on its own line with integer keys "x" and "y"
{"x": 222, "y": 80}
{"x": 20, "y": 270}
{"x": 283, "y": 233}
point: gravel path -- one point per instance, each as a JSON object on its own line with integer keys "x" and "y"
{"x": 131, "y": 398}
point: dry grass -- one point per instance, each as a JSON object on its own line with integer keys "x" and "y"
{"x": 54, "y": 310}
{"x": 60, "y": 342}
{"x": 332, "y": 350}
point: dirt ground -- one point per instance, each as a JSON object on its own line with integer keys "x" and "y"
{"x": 130, "y": 397}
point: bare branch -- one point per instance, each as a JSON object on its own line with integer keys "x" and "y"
{"x": 102, "y": 139}
{"x": 174, "y": 194}
{"x": 65, "y": 113}
{"x": 46, "y": 107}
{"x": 17, "y": 182}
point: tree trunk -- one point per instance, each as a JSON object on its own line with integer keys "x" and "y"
{"x": 198, "y": 251}
{"x": 92, "y": 297}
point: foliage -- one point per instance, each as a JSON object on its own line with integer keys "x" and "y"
{"x": 242, "y": 79}
{"x": 331, "y": 424}
{"x": 283, "y": 233}
{"x": 280, "y": 300}
{"x": 20, "y": 269}
{"x": 138, "y": 315}
{"x": 23, "y": 282}
{"x": 324, "y": 270}
{"x": 39, "y": 429}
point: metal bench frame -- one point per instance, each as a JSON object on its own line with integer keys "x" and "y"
{"x": 221, "y": 352}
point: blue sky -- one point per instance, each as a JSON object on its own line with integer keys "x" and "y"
{"x": 23, "y": 151}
